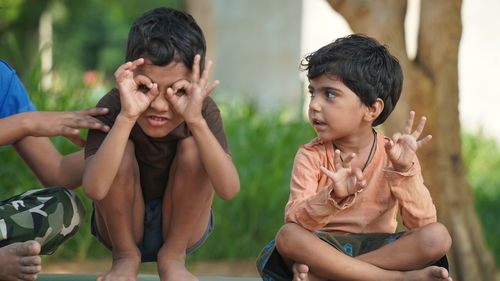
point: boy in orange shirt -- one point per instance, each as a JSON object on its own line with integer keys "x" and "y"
{"x": 349, "y": 183}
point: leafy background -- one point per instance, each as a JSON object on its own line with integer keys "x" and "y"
{"x": 91, "y": 35}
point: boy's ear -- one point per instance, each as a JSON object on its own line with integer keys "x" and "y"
{"x": 374, "y": 110}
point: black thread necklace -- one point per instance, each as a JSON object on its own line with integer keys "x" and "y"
{"x": 369, "y": 154}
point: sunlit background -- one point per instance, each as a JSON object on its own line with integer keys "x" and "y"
{"x": 66, "y": 51}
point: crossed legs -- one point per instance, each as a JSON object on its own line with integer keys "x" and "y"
{"x": 407, "y": 258}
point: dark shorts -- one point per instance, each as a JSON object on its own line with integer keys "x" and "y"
{"x": 272, "y": 267}
{"x": 152, "y": 239}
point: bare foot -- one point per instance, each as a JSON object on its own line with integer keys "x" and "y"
{"x": 20, "y": 261}
{"x": 125, "y": 268}
{"x": 431, "y": 273}
{"x": 174, "y": 270}
{"x": 300, "y": 272}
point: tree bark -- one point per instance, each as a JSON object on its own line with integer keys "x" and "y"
{"x": 431, "y": 89}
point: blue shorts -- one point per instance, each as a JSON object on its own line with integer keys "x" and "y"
{"x": 152, "y": 239}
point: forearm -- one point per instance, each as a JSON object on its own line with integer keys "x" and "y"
{"x": 14, "y": 127}
{"x": 218, "y": 164}
{"x": 48, "y": 165}
{"x": 413, "y": 196}
{"x": 101, "y": 168}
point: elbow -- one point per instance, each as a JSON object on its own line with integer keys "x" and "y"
{"x": 230, "y": 192}
{"x": 93, "y": 193}
{"x": 92, "y": 190}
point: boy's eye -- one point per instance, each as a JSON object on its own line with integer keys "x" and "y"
{"x": 330, "y": 95}
{"x": 143, "y": 88}
{"x": 311, "y": 94}
{"x": 180, "y": 92}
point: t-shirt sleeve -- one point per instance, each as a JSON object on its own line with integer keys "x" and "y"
{"x": 13, "y": 96}
{"x": 211, "y": 113}
{"x": 95, "y": 137}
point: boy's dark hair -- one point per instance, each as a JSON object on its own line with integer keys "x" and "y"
{"x": 363, "y": 65}
{"x": 165, "y": 35}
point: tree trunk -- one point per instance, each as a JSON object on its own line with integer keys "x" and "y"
{"x": 431, "y": 89}
{"x": 203, "y": 13}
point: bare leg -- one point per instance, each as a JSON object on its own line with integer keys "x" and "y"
{"x": 119, "y": 219}
{"x": 416, "y": 249}
{"x": 186, "y": 211}
{"x": 325, "y": 262}
{"x": 20, "y": 261}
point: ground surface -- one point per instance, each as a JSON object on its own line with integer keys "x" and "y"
{"x": 245, "y": 268}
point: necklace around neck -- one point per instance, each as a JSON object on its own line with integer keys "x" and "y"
{"x": 370, "y": 155}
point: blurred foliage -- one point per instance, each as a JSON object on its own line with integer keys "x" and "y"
{"x": 91, "y": 35}
{"x": 482, "y": 157}
{"x": 88, "y": 35}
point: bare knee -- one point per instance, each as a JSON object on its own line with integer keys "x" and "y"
{"x": 288, "y": 238}
{"x": 188, "y": 157}
{"x": 435, "y": 241}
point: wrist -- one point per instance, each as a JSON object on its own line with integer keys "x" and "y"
{"x": 403, "y": 168}
{"x": 28, "y": 120}
{"x": 126, "y": 119}
{"x": 196, "y": 123}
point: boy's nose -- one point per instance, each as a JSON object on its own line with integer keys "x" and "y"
{"x": 160, "y": 103}
{"x": 314, "y": 104}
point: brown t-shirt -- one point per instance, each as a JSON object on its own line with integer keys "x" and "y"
{"x": 154, "y": 155}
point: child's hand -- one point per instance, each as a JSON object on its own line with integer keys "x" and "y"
{"x": 187, "y": 97}
{"x": 136, "y": 93}
{"x": 66, "y": 123}
{"x": 346, "y": 180}
{"x": 401, "y": 148}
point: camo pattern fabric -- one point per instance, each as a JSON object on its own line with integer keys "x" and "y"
{"x": 47, "y": 215}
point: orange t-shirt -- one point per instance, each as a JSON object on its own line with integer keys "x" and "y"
{"x": 372, "y": 211}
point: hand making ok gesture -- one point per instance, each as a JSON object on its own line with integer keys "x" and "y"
{"x": 187, "y": 96}
{"x": 346, "y": 179}
{"x": 136, "y": 93}
{"x": 401, "y": 148}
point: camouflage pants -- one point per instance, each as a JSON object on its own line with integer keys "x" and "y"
{"x": 47, "y": 215}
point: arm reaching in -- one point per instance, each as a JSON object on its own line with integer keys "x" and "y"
{"x": 32, "y": 130}
{"x": 187, "y": 99}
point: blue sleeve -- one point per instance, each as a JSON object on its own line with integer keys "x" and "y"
{"x": 13, "y": 96}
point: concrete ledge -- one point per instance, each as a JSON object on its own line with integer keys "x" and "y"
{"x": 142, "y": 277}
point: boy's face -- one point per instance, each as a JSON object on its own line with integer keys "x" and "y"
{"x": 160, "y": 118}
{"x": 335, "y": 111}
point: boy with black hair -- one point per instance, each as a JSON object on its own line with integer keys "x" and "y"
{"x": 153, "y": 176}
{"x": 349, "y": 183}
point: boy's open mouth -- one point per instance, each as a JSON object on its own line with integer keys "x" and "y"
{"x": 318, "y": 124}
{"x": 157, "y": 120}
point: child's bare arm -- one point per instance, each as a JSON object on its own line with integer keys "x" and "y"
{"x": 217, "y": 162}
{"x": 32, "y": 129}
{"x": 50, "y": 123}
{"x": 402, "y": 147}
{"x": 101, "y": 168}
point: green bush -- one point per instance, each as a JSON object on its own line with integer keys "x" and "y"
{"x": 263, "y": 146}
{"x": 482, "y": 158}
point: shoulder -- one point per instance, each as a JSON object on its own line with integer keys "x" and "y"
{"x": 315, "y": 150}
{"x": 111, "y": 99}
{"x": 5, "y": 67}
{"x": 6, "y": 75}
{"x": 209, "y": 107}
